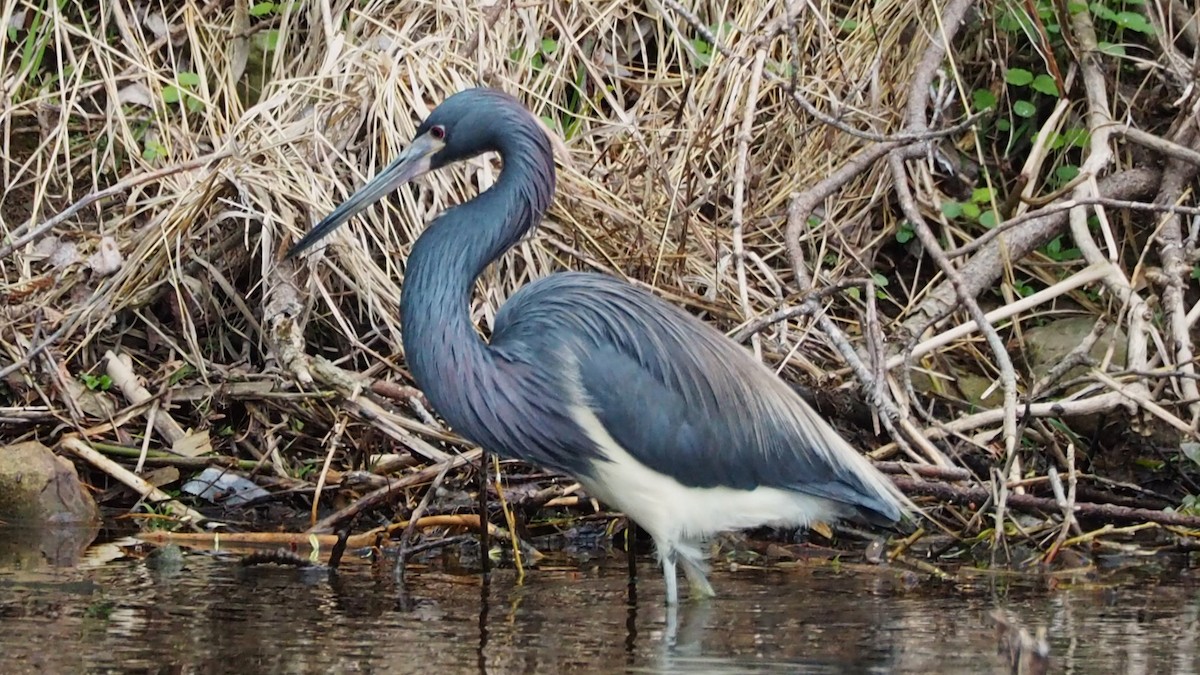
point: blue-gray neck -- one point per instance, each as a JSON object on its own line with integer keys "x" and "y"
{"x": 452, "y": 365}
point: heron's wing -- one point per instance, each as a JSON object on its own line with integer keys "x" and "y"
{"x": 706, "y": 443}
{"x": 688, "y": 402}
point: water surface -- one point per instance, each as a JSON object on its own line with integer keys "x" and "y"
{"x": 210, "y": 614}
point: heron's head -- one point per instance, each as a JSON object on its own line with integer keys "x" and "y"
{"x": 467, "y": 124}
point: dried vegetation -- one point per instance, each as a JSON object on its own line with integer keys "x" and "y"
{"x": 826, "y": 181}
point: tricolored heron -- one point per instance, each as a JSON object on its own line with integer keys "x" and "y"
{"x": 656, "y": 413}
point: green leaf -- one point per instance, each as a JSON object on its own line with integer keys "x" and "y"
{"x": 905, "y": 234}
{"x": 971, "y": 210}
{"x": 266, "y": 41}
{"x": 1018, "y": 77}
{"x": 1196, "y": 272}
{"x": 1077, "y": 137}
{"x": 853, "y": 292}
{"x": 848, "y": 25}
{"x": 171, "y": 93}
{"x": 1066, "y": 173}
{"x": 1009, "y": 23}
{"x": 188, "y": 79}
{"x": 880, "y": 280}
{"x": 981, "y": 195}
{"x": 982, "y": 99}
{"x": 1003, "y": 125}
{"x": 1024, "y": 109}
{"x": 262, "y": 9}
{"x": 703, "y": 56}
{"x": 92, "y": 382}
{"x": 1046, "y": 85}
{"x": 952, "y": 209}
{"x": 549, "y": 46}
{"x": 1134, "y": 21}
{"x": 1110, "y": 48}
{"x": 154, "y": 151}
{"x": 989, "y": 218}
{"x": 1075, "y": 7}
{"x": 180, "y": 374}
{"x": 1103, "y": 12}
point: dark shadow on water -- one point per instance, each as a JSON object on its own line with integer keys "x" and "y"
{"x": 210, "y": 614}
{"x": 45, "y": 545}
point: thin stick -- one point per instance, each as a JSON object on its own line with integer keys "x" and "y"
{"x": 417, "y": 514}
{"x": 149, "y": 493}
{"x": 739, "y": 194}
{"x": 373, "y": 499}
{"x": 485, "y": 544}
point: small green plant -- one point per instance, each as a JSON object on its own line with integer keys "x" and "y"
{"x": 37, "y": 42}
{"x": 262, "y": 9}
{"x": 973, "y": 209}
{"x": 153, "y": 151}
{"x": 1022, "y": 288}
{"x": 702, "y": 51}
{"x": 1190, "y": 505}
{"x": 1119, "y": 18}
{"x": 96, "y": 382}
{"x": 982, "y": 100}
{"x": 181, "y": 374}
{"x": 905, "y": 232}
{"x": 1065, "y": 174}
{"x": 881, "y": 283}
{"x": 184, "y": 90}
{"x": 1056, "y": 252}
{"x": 537, "y": 61}
{"x": 267, "y": 41}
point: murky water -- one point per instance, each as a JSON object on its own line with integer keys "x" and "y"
{"x": 210, "y": 614}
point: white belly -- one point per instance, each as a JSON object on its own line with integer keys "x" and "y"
{"x": 674, "y": 513}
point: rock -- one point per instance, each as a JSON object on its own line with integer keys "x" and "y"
{"x": 37, "y": 486}
{"x": 1047, "y": 345}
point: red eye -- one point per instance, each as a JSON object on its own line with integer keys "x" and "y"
{"x": 438, "y": 132}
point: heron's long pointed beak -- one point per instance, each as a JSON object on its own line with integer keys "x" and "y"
{"x": 413, "y": 162}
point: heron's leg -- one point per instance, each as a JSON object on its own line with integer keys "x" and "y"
{"x": 697, "y": 579}
{"x": 668, "y": 565}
